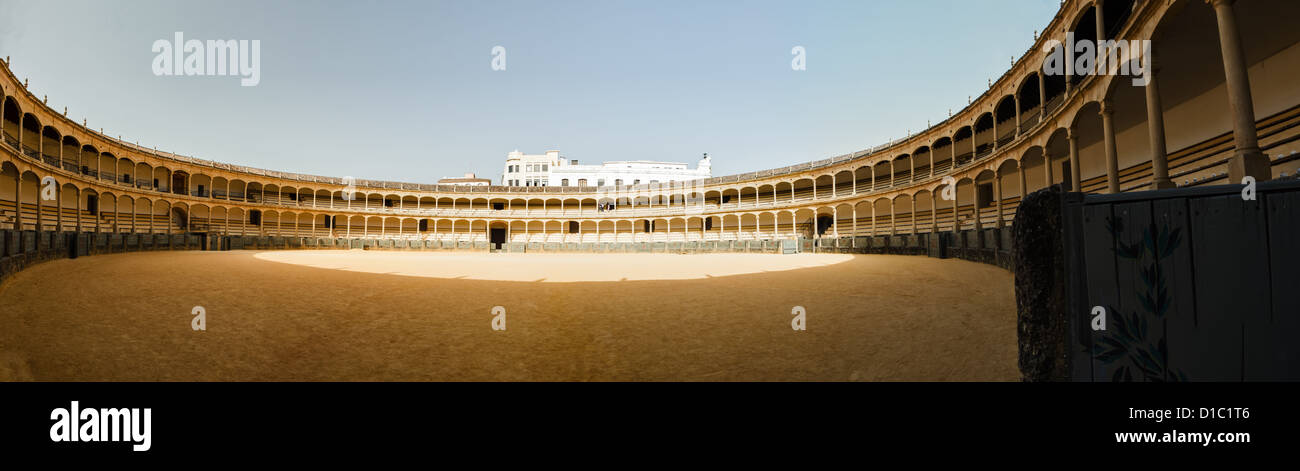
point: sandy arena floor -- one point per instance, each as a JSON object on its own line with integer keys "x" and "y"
{"x": 354, "y": 315}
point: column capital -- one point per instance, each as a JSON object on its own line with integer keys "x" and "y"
{"x": 1107, "y": 108}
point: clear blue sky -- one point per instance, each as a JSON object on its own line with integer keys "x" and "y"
{"x": 405, "y": 90}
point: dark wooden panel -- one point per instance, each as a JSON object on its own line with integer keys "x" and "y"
{"x": 1279, "y": 355}
{"x": 1099, "y": 271}
{"x": 1228, "y": 246}
{"x": 1177, "y": 276}
{"x": 1198, "y": 286}
{"x": 1078, "y": 336}
{"x": 1131, "y": 325}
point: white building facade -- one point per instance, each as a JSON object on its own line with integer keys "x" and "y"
{"x": 552, "y": 169}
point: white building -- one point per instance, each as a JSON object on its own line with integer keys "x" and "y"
{"x": 552, "y": 169}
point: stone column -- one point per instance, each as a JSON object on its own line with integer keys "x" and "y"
{"x": 934, "y": 213}
{"x": 893, "y": 218}
{"x": 995, "y": 127}
{"x": 1247, "y": 160}
{"x": 1047, "y": 167}
{"x": 873, "y": 218}
{"x": 77, "y": 194}
{"x": 1103, "y": 57}
{"x": 1112, "y": 159}
{"x": 1098, "y": 9}
{"x": 997, "y": 193}
{"x": 835, "y": 222}
{"x": 913, "y": 214}
{"x": 952, "y": 141}
{"x": 1016, "y": 102}
{"x": 58, "y": 202}
{"x": 1024, "y": 186}
{"x": 1042, "y": 97}
{"x": 40, "y": 211}
{"x": 1076, "y": 180}
{"x": 956, "y": 196}
{"x": 18, "y": 203}
{"x": 1156, "y": 127}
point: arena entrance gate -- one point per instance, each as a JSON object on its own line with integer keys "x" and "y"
{"x": 497, "y": 237}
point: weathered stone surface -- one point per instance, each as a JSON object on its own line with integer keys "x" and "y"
{"x": 1040, "y": 286}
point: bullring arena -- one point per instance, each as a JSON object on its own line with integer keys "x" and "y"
{"x": 109, "y": 246}
{"x": 341, "y": 315}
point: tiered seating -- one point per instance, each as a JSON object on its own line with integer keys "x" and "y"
{"x": 1206, "y": 162}
{"x": 902, "y": 178}
{"x": 803, "y": 194}
{"x": 942, "y": 166}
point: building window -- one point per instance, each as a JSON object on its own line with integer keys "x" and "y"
{"x": 582, "y": 182}
{"x": 544, "y": 167}
{"x": 564, "y": 182}
{"x": 600, "y": 182}
{"x": 618, "y": 182}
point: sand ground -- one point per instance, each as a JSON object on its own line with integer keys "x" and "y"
{"x": 359, "y": 315}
